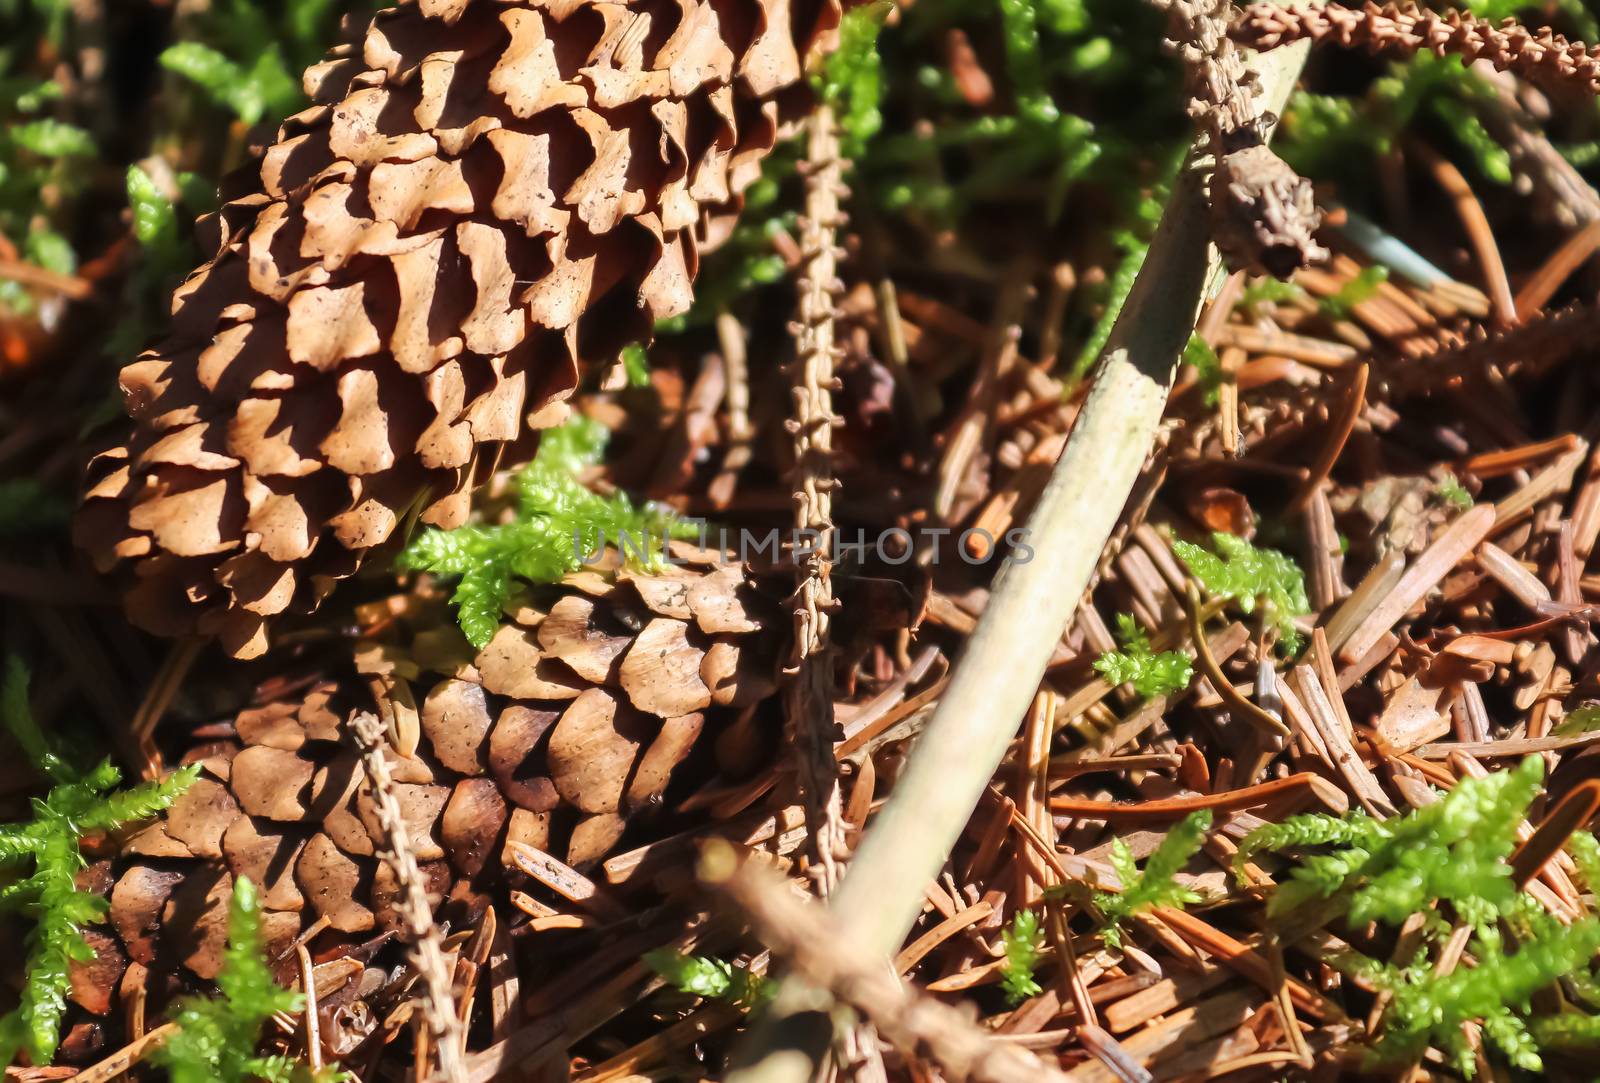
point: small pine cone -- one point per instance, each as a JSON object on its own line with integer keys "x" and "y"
{"x": 485, "y": 195}
{"x": 562, "y": 734}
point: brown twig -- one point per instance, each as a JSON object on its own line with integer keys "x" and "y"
{"x": 416, "y": 912}
{"x": 1543, "y": 284}
{"x": 1173, "y": 808}
{"x": 1249, "y": 712}
{"x": 28, "y": 274}
{"x": 826, "y": 953}
{"x": 128, "y": 1056}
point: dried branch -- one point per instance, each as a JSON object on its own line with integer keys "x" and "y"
{"x": 808, "y": 699}
{"x": 427, "y": 951}
{"x": 1394, "y": 31}
{"x": 1264, "y": 216}
{"x": 1030, "y": 607}
{"x": 823, "y": 950}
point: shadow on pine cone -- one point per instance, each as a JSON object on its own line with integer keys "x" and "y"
{"x": 486, "y": 195}
{"x": 562, "y": 734}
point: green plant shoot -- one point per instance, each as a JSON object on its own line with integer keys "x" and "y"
{"x": 77, "y": 804}
{"x": 1157, "y": 885}
{"x": 1449, "y": 860}
{"x": 217, "y": 1037}
{"x": 1452, "y": 492}
{"x": 714, "y": 979}
{"x": 1250, "y": 576}
{"x": 851, "y": 80}
{"x": 559, "y": 523}
{"x": 1151, "y": 674}
{"x": 1453, "y": 851}
{"x": 1342, "y": 305}
{"x": 1023, "y": 940}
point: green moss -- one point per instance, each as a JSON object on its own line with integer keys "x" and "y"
{"x": 1342, "y": 305}
{"x": 714, "y": 979}
{"x": 1155, "y": 885}
{"x": 1151, "y": 673}
{"x": 559, "y": 522}
{"x": 1250, "y": 576}
{"x": 41, "y": 859}
{"x": 217, "y": 1037}
{"x": 1023, "y": 941}
{"x": 1448, "y": 862}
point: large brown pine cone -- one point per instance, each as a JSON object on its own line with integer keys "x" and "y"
{"x": 563, "y": 733}
{"x": 486, "y": 194}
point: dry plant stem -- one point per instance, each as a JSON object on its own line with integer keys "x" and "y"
{"x": 808, "y": 693}
{"x": 309, "y": 984}
{"x": 28, "y": 274}
{"x": 1536, "y": 292}
{"x": 426, "y": 943}
{"x": 1394, "y": 31}
{"x": 1242, "y": 707}
{"x": 1032, "y": 603}
{"x": 827, "y": 951}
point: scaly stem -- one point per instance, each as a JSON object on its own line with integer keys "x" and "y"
{"x": 808, "y": 699}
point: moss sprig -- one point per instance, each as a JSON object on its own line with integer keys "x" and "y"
{"x": 217, "y": 1037}
{"x": 1251, "y": 576}
{"x": 1157, "y": 884}
{"x": 77, "y": 804}
{"x": 712, "y": 978}
{"x": 1453, "y": 851}
{"x": 559, "y": 523}
{"x": 1151, "y": 673}
{"x": 1023, "y": 942}
{"x": 1448, "y": 861}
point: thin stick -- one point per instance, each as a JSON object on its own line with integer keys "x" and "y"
{"x": 128, "y": 1055}
{"x": 1342, "y": 425}
{"x": 1572, "y": 812}
{"x": 1032, "y": 603}
{"x": 824, "y": 950}
{"x": 426, "y": 943}
{"x": 69, "y": 286}
{"x": 1166, "y": 809}
{"x": 309, "y": 984}
{"x": 1243, "y": 708}
{"x": 1574, "y": 253}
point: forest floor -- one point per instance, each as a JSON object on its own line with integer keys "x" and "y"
{"x": 1304, "y": 788}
